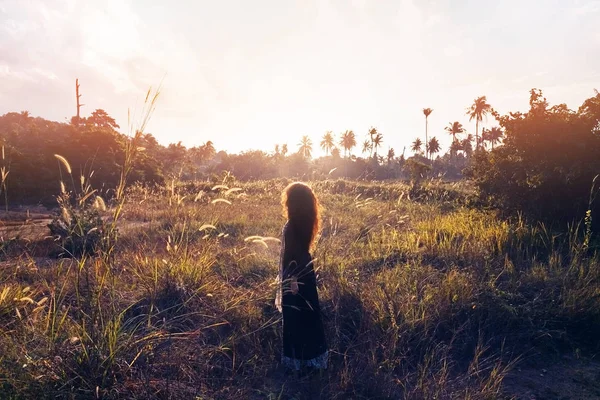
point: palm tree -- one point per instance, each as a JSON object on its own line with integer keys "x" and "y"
{"x": 390, "y": 155}
{"x": 372, "y": 134}
{"x": 466, "y": 146}
{"x": 348, "y": 141}
{"x": 484, "y": 138}
{"x": 284, "y": 149}
{"x": 416, "y": 146}
{"x": 305, "y": 147}
{"x": 454, "y": 128}
{"x": 494, "y": 135}
{"x": 377, "y": 142}
{"x": 276, "y": 150}
{"x": 427, "y": 112}
{"x": 478, "y": 110}
{"x": 433, "y": 146}
{"x": 327, "y": 142}
{"x": 208, "y": 150}
{"x": 455, "y": 147}
{"x": 366, "y": 147}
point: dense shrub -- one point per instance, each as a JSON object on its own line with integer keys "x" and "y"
{"x": 548, "y": 162}
{"x": 29, "y": 145}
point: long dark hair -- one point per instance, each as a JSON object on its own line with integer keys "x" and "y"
{"x": 301, "y": 207}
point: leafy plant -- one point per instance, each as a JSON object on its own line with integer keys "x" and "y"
{"x": 549, "y": 158}
{"x": 79, "y": 226}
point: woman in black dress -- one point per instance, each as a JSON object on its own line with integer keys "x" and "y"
{"x": 304, "y": 342}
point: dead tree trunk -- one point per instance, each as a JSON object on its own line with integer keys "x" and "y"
{"x": 77, "y": 97}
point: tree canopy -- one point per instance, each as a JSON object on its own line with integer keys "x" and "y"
{"x": 549, "y": 158}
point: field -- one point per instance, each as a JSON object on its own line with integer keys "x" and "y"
{"x": 426, "y": 295}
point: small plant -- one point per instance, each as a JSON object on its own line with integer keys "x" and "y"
{"x": 418, "y": 172}
{"x": 79, "y": 227}
{"x": 4, "y": 171}
{"x": 225, "y": 178}
{"x": 588, "y": 217}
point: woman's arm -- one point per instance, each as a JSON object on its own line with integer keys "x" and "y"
{"x": 289, "y": 261}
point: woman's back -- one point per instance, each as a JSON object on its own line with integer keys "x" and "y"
{"x": 304, "y": 342}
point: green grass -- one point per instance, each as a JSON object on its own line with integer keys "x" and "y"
{"x": 424, "y": 296}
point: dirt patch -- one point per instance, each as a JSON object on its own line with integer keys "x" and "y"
{"x": 567, "y": 379}
{"x": 27, "y": 223}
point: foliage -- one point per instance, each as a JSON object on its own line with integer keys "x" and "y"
{"x": 30, "y": 145}
{"x": 427, "y": 112}
{"x": 422, "y": 299}
{"x": 418, "y": 171}
{"x": 416, "y": 146}
{"x": 305, "y": 147}
{"x": 433, "y": 146}
{"x": 548, "y": 161}
{"x": 254, "y": 164}
{"x": 348, "y": 142}
{"x": 478, "y": 111}
{"x": 327, "y": 143}
{"x": 493, "y": 136}
{"x": 78, "y": 226}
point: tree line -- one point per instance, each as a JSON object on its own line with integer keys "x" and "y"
{"x": 543, "y": 160}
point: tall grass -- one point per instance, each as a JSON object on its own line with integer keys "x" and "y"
{"x": 422, "y": 298}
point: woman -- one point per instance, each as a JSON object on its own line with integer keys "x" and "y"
{"x": 303, "y": 336}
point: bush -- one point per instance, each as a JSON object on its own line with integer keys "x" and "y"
{"x": 548, "y": 162}
{"x": 29, "y": 145}
{"x": 79, "y": 228}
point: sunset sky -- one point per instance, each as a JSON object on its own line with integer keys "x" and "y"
{"x": 249, "y": 74}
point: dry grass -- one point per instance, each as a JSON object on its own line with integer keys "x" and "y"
{"x": 423, "y": 298}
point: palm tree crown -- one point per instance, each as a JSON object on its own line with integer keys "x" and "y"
{"x": 492, "y": 135}
{"x": 366, "y": 146}
{"x": 348, "y": 141}
{"x": 454, "y": 128}
{"x": 433, "y": 146}
{"x": 377, "y": 142}
{"x": 427, "y": 112}
{"x": 416, "y": 146}
{"x": 478, "y": 110}
{"x": 208, "y": 150}
{"x": 327, "y": 143}
{"x": 372, "y": 135}
{"x": 305, "y": 147}
{"x": 390, "y": 155}
{"x": 466, "y": 146}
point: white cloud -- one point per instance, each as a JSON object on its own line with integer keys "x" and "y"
{"x": 6, "y": 72}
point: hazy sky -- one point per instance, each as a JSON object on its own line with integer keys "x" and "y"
{"x": 249, "y": 74}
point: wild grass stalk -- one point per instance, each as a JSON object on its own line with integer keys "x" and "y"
{"x": 4, "y": 171}
{"x": 588, "y": 217}
{"x": 421, "y": 299}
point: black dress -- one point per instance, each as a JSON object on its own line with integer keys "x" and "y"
{"x": 304, "y": 342}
